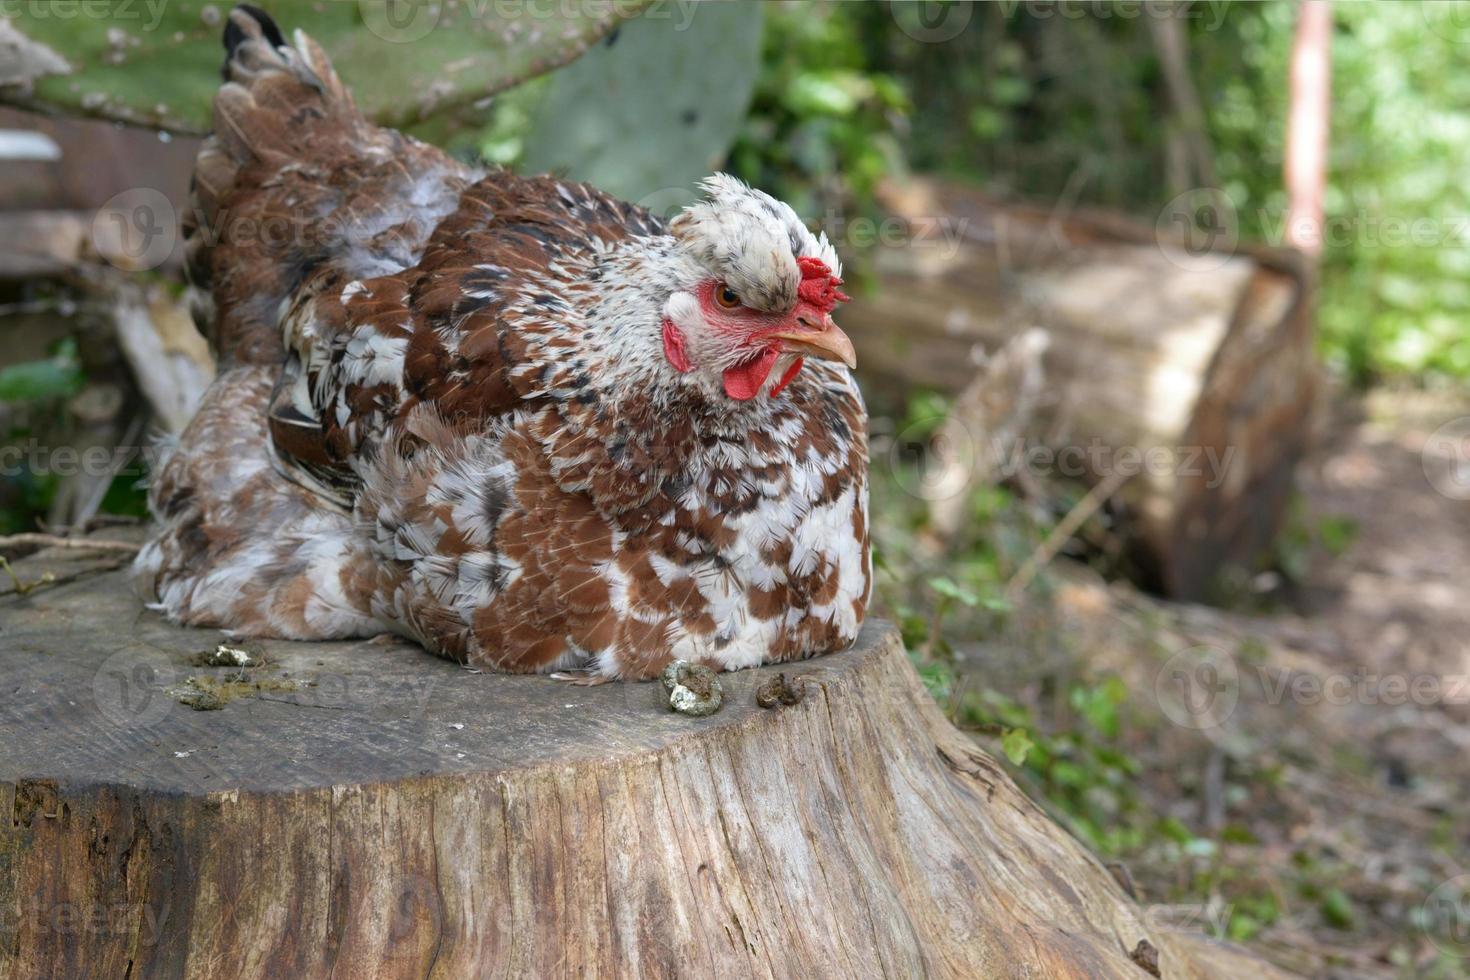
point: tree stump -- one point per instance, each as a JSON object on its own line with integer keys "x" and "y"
{"x": 1193, "y": 369}
{"x": 365, "y": 810}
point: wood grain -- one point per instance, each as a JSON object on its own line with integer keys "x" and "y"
{"x": 351, "y": 828}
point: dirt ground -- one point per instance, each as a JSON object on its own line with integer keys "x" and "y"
{"x": 1345, "y": 752}
{"x": 1398, "y": 598}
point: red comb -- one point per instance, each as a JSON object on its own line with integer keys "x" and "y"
{"x": 818, "y": 284}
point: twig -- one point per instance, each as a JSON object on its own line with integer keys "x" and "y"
{"x": 79, "y": 544}
{"x": 51, "y": 579}
{"x": 1063, "y": 532}
{"x": 24, "y": 588}
{"x": 93, "y": 523}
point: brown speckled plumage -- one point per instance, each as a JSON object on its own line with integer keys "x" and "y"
{"x": 488, "y": 412}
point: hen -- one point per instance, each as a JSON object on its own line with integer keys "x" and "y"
{"x": 528, "y": 425}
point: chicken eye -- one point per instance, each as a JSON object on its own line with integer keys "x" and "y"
{"x": 726, "y": 297}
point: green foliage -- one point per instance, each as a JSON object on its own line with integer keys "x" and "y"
{"x": 1016, "y": 744}
{"x": 652, "y": 109}
{"x": 1303, "y": 539}
{"x": 1337, "y": 909}
{"x": 1393, "y": 299}
{"x": 824, "y": 125}
{"x": 1078, "y": 763}
{"x": 32, "y": 393}
{"x": 59, "y": 376}
{"x": 157, "y": 64}
{"x": 1054, "y": 101}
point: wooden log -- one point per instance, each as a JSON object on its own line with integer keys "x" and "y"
{"x": 364, "y": 810}
{"x": 1193, "y": 368}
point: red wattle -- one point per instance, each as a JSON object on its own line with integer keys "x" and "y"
{"x": 743, "y": 381}
{"x": 786, "y": 378}
{"x": 674, "y": 348}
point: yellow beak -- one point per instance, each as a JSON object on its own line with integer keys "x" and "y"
{"x": 828, "y": 343}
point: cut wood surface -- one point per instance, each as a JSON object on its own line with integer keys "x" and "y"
{"x": 1194, "y": 368}
{"x": 365, "y": 810}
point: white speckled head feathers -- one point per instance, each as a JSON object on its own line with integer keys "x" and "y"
{"x": 751, "y": 241}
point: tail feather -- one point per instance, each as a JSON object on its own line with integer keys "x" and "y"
{"x": 248, "y": 22}
{"x": 275, "y": 99}
{"x": 290, "y": 146}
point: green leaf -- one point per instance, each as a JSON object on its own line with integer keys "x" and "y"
{"x": 951, "y": 589}
{"x": 1337, "y": 909}
{"x": 829, "y": 93}
{"x": 1337, "y": 533}
{"x": 938, "y": 678}
{"x": 656, "y": 109}
{"x": 996, "y": 602}
{"x": 1173, "y": 829}
{"x": 1243, "y": 927}
{"x": 156, "y": 63}
{"x": 1065, "y": 773}
{"x": 1099, "y": 705}
{"x": 1016, "y": 745}
{"x": 33, "y": 381}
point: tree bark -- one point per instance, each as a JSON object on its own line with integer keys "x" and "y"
{"x": 1194, "y": 368}
{"x": 364, "y": 810}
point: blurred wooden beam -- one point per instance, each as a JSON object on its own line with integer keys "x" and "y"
{"x": 42, "y": 244}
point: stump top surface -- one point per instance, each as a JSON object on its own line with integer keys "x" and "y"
{"x": 85, "y": 700}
